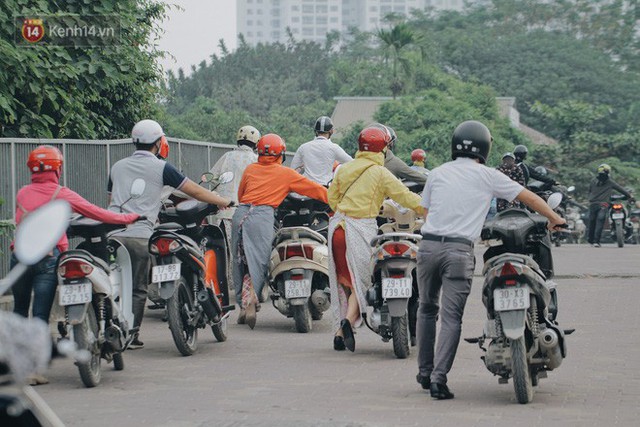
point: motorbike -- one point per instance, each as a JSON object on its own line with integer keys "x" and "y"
{"x": 544, "y": 190}
{"x": 95, "y": 293}
{"x": 524, "y": 338}
{"x": 575, "y": 223}
{"x": 298, "y": 272}
{"x": 393, "y": 295}
{"x": 25, "y": 344}
{"x": 621, "y": 227}
{"x": 190, "y": 270}
{"x": 634, "y": 217}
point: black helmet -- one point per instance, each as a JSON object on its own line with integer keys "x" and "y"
{"x": 471, "y": 139}
{"x": 520, "y": 152}
{"x": 541, "y": 170}
{"x": 323, "y": 124}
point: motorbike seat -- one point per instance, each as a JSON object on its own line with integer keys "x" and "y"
{"x": 168, "y": 226}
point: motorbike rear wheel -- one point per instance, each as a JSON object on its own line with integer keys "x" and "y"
{"x": 220, "y": 330}
{"x": 179, "y": 307}
{"x": 400, "y": 332}
{"x": 520, "y": 370}
{"x": 85, "y": 336}
{"x": 302, "y": 317}
{"x": 620, "y": 233}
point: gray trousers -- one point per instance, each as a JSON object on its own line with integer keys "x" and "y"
{"x": 445, "y": 268}
{"x": 141, "y": 265}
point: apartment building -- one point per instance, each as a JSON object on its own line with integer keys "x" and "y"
{"x": 265, "y": 21}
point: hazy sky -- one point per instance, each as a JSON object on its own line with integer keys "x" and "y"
{"x": 192, "y": 34}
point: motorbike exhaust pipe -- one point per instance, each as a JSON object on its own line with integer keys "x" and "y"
{"x": 320, "y": 299}
{"x": 551, "y": 345}
{"x": 205, "y": 296}
{"x": 113, "y": 335}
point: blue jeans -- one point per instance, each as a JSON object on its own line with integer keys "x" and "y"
{"x": 42, "y": 280}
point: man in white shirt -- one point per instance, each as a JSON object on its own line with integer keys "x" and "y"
{"x": 317, "y": 157}
{"x": 457, "y": 198}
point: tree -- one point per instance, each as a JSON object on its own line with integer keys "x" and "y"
{"x": 79, "y": 92}
{"x": 396, "y": 40}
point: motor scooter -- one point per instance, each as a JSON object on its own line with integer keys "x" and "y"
{"x": 190, "y": 270}
{"x": 525, "y": 339}
{"x": 394, "y": 291}
{"x": 95, "y": 293}
{"x": 298, "y": 274}
{"x": 621, "y": 227}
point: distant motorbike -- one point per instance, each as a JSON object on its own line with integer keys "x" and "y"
{"x": 394, "y": 291}
{"x": 95, "y": 292}
{"x": 544, "y": 190}
{"x": 634, "y": 217}
{"x": 525, "y": 340}
{"x": 621, "y": 227}
{"x": 190, "y": 270}
{"x": 298, "y": 273}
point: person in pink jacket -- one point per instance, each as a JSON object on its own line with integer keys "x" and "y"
{"x": 45, "y": 163}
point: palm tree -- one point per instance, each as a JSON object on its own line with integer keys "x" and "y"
{"x": 395, "y": 41}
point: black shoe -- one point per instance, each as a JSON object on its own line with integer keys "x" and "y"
{"x": 347, "y": 332}
{"x": 338, "y": 343}
{"x": 440, "y": 391}
{"x": 425, "y": 382}
{"x": 136, "y": 344}
{"x": 413, "y": 340}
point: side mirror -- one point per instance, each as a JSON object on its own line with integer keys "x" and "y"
{"x": 225, "y": 177}
{"x": 554, "y": 200}
{"x": 571, "y": 189}
{"x": 137, "y": 188}
{"x": 207, "y": 177}
{"x": 39, "y": 232}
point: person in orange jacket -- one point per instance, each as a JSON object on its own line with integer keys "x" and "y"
{"x": 263, "y": 187}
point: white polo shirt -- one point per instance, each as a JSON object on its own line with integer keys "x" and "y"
{"x": 458, "y": 195}
{"x": 317, "y": 158}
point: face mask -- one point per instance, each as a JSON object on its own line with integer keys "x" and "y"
{"x": 603, "y": 176}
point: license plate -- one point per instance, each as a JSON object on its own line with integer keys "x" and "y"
{"x": 510, "y": 299}
{"x": 165, "y": 273}
{"x": 74, "y": 294}
{"x": 619, "y": 215}
{"x": 397, "y": 287}
{"x": 297, "y": 288}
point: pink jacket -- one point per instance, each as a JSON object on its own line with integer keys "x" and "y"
{"x": 40, "y": 191}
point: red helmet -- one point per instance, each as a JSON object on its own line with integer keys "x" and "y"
{"x": 418, "y": 155}
{"x": 271, "y": 145}
{"x": 45, "y": 158}
{"x": 374, "y": 139}
{"x": 163, "y": 153}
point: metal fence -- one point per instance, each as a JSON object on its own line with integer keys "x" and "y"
{"x": 86, "y": 169}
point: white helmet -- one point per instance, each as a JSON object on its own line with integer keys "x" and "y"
{"x": 146, "y": 132}
{"x": 248, "y": 134}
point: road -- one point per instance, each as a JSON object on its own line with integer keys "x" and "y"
{"x": 273, "y": 376}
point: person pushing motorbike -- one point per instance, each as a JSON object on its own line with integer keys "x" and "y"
{"x": 456, "y": 201}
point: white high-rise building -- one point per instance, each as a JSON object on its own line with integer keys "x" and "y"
{"x": 266, "y": 21}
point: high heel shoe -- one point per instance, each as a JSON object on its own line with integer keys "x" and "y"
{"x": 338, "y": 343}
{"x": 347, "y": 332}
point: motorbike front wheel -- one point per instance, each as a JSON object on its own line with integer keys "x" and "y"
{"x": 86, "y": 337}
{"x": 220, "y": 330}
{"x": 179, "y": 309}
{"x": 302, "y": 317}
{"x": 620, "y": 233}
{"x": 400, "y": 332}
{"x": 520, "y": 370}
{"x": 118, "y": 361}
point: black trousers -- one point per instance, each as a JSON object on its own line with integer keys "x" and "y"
{"x": 597, "y": 216}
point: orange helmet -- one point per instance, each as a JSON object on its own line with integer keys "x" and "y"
{"x": 418, "y": 155}
{"x": 271, "y": 145}
{"x": 45, "y": 158}
{"x": 374, "y": 139}
{"x": 163, "y": 153}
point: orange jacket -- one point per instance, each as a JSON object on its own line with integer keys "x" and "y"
{"x": 268, "y": 183}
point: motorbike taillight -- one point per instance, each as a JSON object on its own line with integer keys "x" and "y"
{"x": 74, "y": 269}
{"x": 616, "y": 206}
{"x": 163, "y": 246}
{"x": 396, "y": 249}
{"x": 508, "y": 270}
{"x": 291, "y": 251}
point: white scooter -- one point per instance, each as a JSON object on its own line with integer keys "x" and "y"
{"x": 95, "y": 292}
